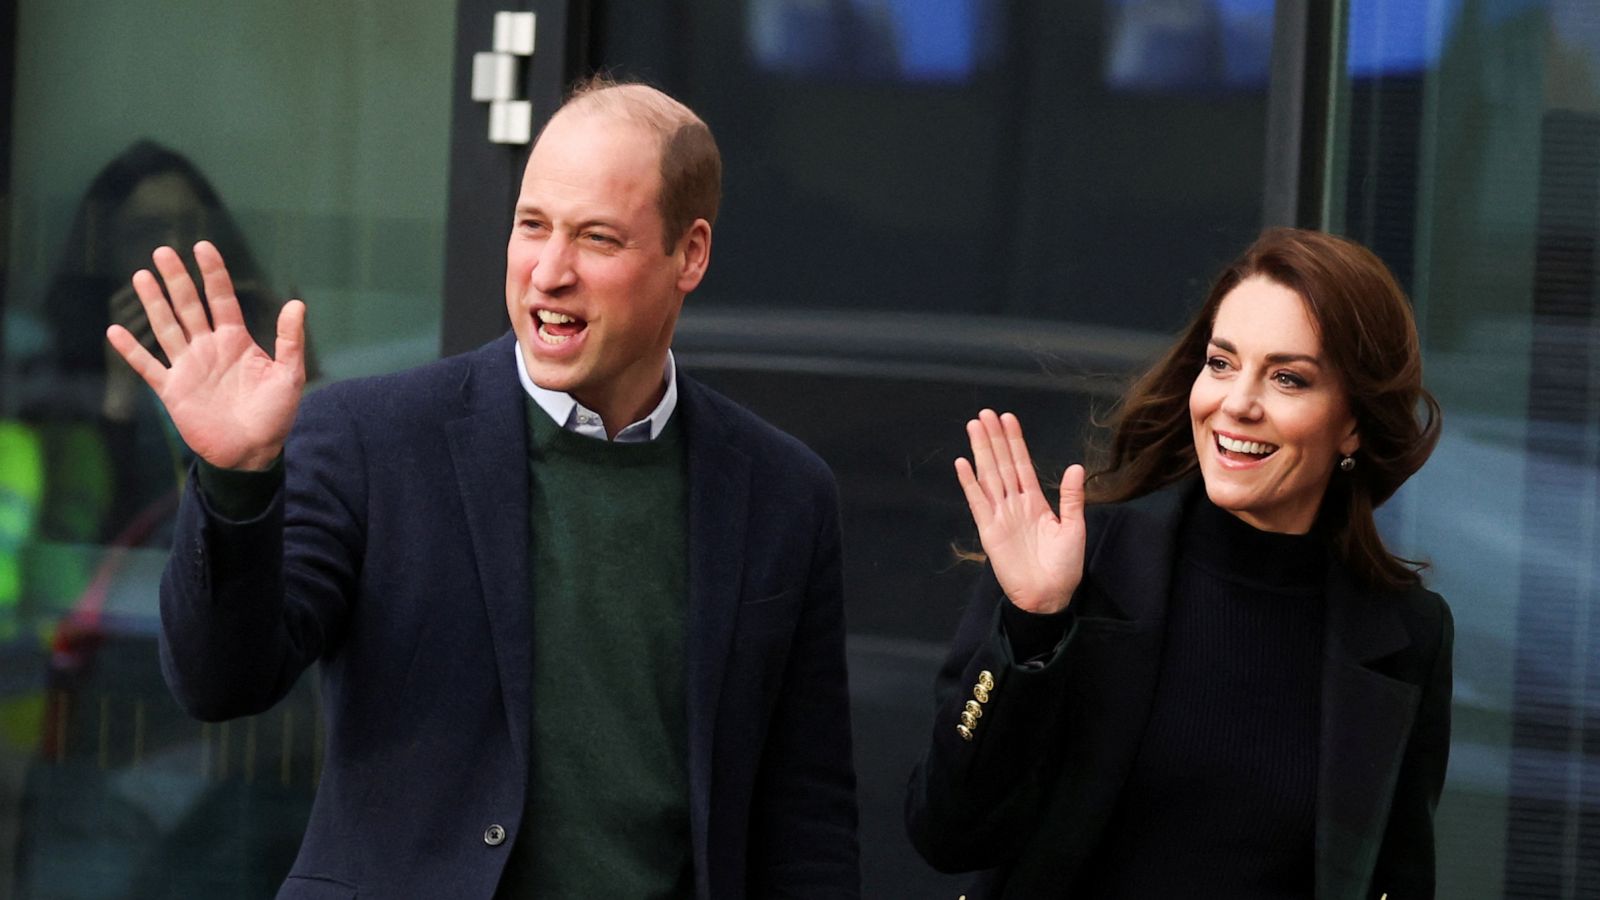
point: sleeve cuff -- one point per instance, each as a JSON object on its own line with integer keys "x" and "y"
{"x": 237, "y": 494}
{"x": 1033, "y": 636}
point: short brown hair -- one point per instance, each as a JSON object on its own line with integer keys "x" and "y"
{"x": 1367, "y": 331}
{"x": 691, "y": 164}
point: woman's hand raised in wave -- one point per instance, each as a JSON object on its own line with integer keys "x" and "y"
{"x": 1036, "y": 555}
{"x": 232, "y": 403}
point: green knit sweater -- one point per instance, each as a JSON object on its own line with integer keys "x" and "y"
{"x": 608, "y": 799}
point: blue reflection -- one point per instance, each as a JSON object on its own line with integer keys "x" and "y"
{"x": 1388, "y": 38}
{"x": 904, "y": 40}
{"x": 1186, "y": 45}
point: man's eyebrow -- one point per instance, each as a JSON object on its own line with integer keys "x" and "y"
{"x": 1226, "y": 346}
{"x": 530, "y": 209}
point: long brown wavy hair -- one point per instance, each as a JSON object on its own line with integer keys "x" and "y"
{"x": 1368, "y": 334}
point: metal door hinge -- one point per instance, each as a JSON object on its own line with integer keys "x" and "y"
{"x": 499, "y": 78}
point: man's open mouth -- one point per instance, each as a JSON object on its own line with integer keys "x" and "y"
{"x": 558, "y": 328}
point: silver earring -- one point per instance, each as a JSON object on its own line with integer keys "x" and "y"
{"x": 1348, "y": 464}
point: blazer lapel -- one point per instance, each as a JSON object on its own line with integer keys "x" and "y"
{"x": 1366, "y": 720}
{"x": 489, "y": 451}
{"x": 719, "y": 493}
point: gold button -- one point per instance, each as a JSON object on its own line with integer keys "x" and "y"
{"x": 975, "y": 708}
{"x": 981, "y": 692}
{"x": 965, "y": 732}
{"x": 986, "y": 678}
{"x": 969, "y": 720}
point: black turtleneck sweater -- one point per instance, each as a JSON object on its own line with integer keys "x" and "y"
{"x": 1221, "y": 800}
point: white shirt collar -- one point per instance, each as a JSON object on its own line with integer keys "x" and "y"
{"x": 573, "y": 416}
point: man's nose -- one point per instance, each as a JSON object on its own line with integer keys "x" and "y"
{"x": 553, "y": 270}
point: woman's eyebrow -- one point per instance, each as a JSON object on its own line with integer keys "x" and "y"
{"x": 1227, "y": 346}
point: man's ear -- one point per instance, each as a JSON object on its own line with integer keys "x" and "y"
{"x": 694, "y": 255}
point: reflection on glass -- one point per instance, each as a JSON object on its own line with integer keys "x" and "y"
{"x": 121, "y": 793}
{"x": 1471, "y": 149}
{"x": 1188, "y": 45}
{"x": 904, "y": 40}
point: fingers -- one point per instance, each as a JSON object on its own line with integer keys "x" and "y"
{"x": 220, "y": 295}
{"x": 186, "y": 303}
{"x": 983, "y": 463}
{"x": 1005, "y": 470}
{"x": 290, "y": 347}
{"x": 1027, "y": 478}
{"x": 1072, "y": 494}
{"x": 977, "y": 501}
{"x": 137, "y": 357}
{"x": 169, "y": 334}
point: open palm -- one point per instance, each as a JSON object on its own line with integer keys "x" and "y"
{"x": 1036, "y": 555}
{"x": 232, "y": 403}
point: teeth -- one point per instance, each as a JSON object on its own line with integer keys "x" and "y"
{"x": 549, "y": 338}
{"x": 550, "y": 317}
{"x": 1254, "y": 448}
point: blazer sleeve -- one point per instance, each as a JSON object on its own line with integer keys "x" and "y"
{"x": 977, "y": 794}
{"x": 246, "y": 606}
{"x": 803, "y": 843}
{"x": 1405, "y": 867}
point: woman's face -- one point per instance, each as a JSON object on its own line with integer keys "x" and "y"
{"x": 163, "y": 210}
{"x": 1269, "y": 413}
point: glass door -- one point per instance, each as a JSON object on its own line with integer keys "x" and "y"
{"x": 320, "y": 146}
{"x": 1467, "y": 154}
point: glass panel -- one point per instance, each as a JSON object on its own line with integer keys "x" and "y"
{"x": 310, "y": 142}
{"x": 1469, "y": 139}
{"x": 930, "y": 208}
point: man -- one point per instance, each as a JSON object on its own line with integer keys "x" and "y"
{"x": 579, "y": 617}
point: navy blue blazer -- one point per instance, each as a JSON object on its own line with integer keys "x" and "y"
{"x": 1028, "y": 797}
{"x": 397, "y": 556}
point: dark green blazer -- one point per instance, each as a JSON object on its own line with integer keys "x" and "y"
{"x": 1026, "y": 799}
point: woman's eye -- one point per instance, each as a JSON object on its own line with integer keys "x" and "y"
{"x": 1216, "y": 364}
{"x": 1289, "y": 380}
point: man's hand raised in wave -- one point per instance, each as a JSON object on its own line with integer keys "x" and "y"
{"x": 231, "y": 402}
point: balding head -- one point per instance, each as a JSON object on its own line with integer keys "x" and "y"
{"x": 691, "y": 166}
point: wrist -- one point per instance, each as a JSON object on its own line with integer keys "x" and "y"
{"x": 256, "y": 461}
{"x": 1047, "y": 604}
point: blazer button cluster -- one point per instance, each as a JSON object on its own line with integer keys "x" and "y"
{"x": 494, "y": 835}
{"x": 973, "y": 711}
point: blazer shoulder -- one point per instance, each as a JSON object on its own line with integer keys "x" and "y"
{"x": 1143, "y": 520}
{"x": 440, "y": 386}
{"x": 1426, "y": 614}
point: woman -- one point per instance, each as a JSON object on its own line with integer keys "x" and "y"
{"x": 1212, "y": 686}
{"x": 116, "y": 464}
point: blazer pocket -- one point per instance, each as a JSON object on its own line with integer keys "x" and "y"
{"x": 301, "y": 887}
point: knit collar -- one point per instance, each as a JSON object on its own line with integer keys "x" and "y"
{"x": 1225, "y": 543}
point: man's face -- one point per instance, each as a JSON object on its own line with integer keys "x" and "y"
{"x": 592, "y": 293}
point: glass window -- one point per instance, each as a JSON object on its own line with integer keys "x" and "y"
{"x": 1468, "y": 148}
{"x": 309, "y": 141}
{"x": 935, "y": 207}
